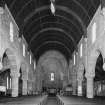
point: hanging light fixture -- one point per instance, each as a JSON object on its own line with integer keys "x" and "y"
{"x": 52, "y": 6}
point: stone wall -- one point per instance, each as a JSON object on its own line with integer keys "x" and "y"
{"x": 14, "y": 48}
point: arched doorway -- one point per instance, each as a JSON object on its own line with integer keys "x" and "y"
{"x": 99, "y": 80}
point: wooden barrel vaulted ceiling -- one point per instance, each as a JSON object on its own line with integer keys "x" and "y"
{"x": 44, "y": 31}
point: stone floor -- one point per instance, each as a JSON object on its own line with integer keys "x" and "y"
{"x": 24, "y": 100}
{"x": 34, "y": 100}
{"x": 74, "y": 100}
{"x": 51, "y": 101}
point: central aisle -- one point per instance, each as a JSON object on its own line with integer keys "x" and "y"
{"x": 52, "y": 100}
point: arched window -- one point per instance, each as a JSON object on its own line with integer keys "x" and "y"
{"x": 30, "y": 58}
{"x": 34, "y": 65}
{"x": 94, "y": 32}
{"x": 52, "y": 7}
{"x": 7, "y": 82}
{"x": 11, "y": 32}
{"x": 74, "y": 59}
{"x": 10, "y": 83}
{"x": 24, "y": 50}
{"x": 52, "y": 76}
{"x": 81, "y": 50}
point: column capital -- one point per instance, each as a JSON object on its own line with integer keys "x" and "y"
{"x": 80, "y": 78}
{"x": 74, "y": 67}
{"x": 81, "y": 66}
{"x": 90, "y": 71}
{"x": 15, "y": 74}
{"x": 90, "y": 75}
{"x": 13, "y": 67}
{"x": 24, "y": 77}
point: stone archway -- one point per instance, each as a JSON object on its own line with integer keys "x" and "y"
{"x": 90, "y": 71}
{"x": 99, "y": 77}
{"x": 11, "y": 57}
{"x": 14, "y": 72}
{"x": 5, "y": 78}
{"x": 53, "y": 61}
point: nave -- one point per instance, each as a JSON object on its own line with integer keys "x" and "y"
{"x": 52, "y": 47}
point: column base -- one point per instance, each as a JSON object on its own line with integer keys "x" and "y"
{"x": 90, "y": 96}
{"x": 14, "y": 95}
{"x": 80, "y": 89}
{"x": 24, "y": 90}
{"x": 79, "y": 94}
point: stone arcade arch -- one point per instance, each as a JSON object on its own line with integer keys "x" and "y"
{"x": 52, "y": 58}
{"x": 14, "y": 72}
{"x": 90, "y": 71}
{"x": 5, "y": 78}
{"x": 99, "y": 77}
